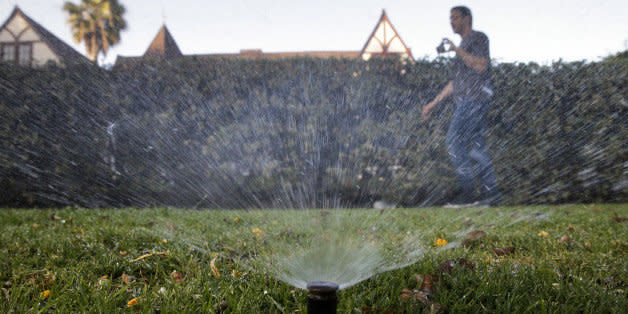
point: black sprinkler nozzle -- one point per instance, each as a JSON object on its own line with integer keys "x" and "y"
{"x": 322, "y": 298}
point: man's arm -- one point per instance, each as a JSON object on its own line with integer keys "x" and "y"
{"x": 446, "y": 92}
{"x": 478, "y": 64}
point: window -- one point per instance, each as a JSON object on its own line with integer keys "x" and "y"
{"x": 8, "y": 52}
{"x": 24, "y": 54}
{"x": 20, "y": 52}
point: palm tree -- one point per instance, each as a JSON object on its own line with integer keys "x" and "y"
{"x": 97, "y": 23}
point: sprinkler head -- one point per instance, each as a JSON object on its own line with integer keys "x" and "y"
{"x": 322, "y": 297}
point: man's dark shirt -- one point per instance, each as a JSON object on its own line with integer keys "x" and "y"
{"x": 470, "y": 85}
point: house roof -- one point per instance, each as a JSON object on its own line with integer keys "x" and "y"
{"x": 385, "y": 40}
{"x": 163, "y": 46}
{"x": 59, "y": 47}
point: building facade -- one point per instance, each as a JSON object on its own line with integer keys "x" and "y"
{"x": 26, "y": 42}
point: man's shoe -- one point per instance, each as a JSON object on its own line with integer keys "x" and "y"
{"x": 461, "y": 200}
{"x": 490, "y": 200}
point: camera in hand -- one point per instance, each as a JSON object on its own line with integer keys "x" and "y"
{"x": 442, "y": 48}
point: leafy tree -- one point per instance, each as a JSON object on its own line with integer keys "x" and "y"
{"x": 97, "y": 23}
{"x": 620, "y": 56}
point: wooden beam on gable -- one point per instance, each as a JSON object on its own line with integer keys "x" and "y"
{"x": 385, "y": 41}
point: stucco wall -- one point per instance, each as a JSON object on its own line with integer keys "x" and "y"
{"x": 41, "y": 54}
{"x": 5, "y": 36}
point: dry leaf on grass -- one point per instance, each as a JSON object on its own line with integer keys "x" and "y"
{"x": 473, "y": 237}
{"x": 414, "y": 295}
{"x": 437, "y": 308}
{"x": 617, "y": 219}
{"x": 611, "y": 282}
{"x": 214, "y": 269}
{"x": 423, "y": 298}
{"x": 468, "y": 222}
{"x": 221, "y": 307}
{"x": 170, "y": 225}
{"x": 165, "y": 254}
{"x": 406, "y": 294}
{"x": 449, "y": 265}
{"x": 236, "y": 274}
{"x": 178, "y": 276}
{"x": 367, "y": 309}
{"x": 102, "y": 281}
{"x": 427, "y": 283}
{"x": 127, "y": 279}
{"x": 42, "y": 280}
{"x": 564, "y": 239}
{"x": 504, "y": 251}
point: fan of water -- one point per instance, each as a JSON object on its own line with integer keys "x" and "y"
{"x": 301, "y": 134}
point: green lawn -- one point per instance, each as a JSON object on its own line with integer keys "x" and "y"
{"x": 567, "y": 258}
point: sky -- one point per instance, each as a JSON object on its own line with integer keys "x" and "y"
{"x": 541, "y": 31}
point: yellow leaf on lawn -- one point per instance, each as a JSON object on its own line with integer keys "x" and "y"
{"x": 440, "y": 242}
{"x": 257, "y": 232}
{"x": 44, "y": 294}
{"x": 214, "y": 269}
{"x": 131, "y": 302}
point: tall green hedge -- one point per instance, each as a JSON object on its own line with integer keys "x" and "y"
{"x": 301, "y": 132}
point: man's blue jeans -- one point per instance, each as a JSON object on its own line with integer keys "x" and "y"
{"x": 466, "y": 144}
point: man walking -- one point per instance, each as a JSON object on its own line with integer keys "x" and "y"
{"x": 471, "y": 88}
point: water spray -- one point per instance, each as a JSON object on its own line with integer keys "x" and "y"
{"x": 322, "y": 298}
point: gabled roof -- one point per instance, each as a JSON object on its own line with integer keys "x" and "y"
{"x": 385, "y": 41}
{"x": 163, "y": 46}
{"x": 59, "y": 47}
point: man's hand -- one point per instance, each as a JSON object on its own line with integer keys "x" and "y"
{"x": 478, "y": 64}
{"x": 446, "y": 92}
{"x": 449, "y": 43}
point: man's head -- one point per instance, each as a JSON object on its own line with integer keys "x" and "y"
{"x": 461, "y": 19}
